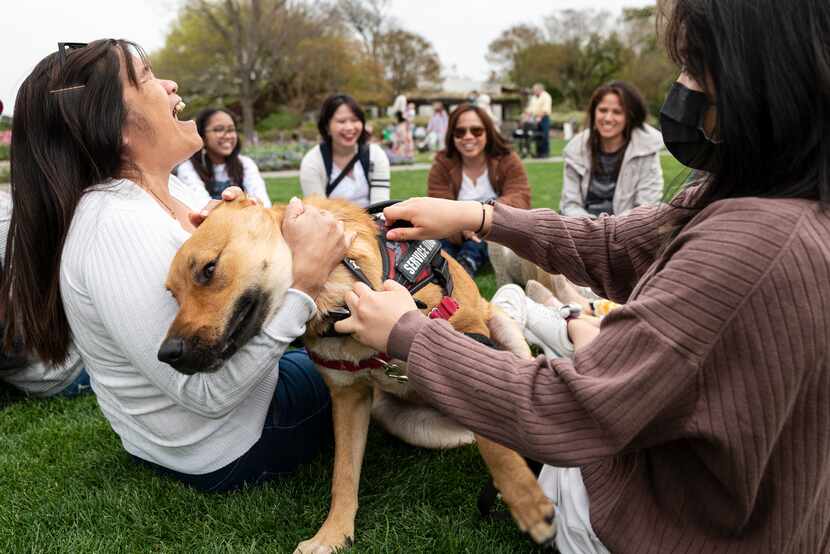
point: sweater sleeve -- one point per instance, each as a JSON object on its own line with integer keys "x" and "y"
{"x": 380, "y": 179}
{"x": 438, "y": 181}
{"x": 608, "y": 254}
{"x": 515, "y": 190}
{"x": 125, "y": 274}
{"x": 254, "y": 183}
{"x": 313, "y": 173}
{"x": 638, "y": 383}
{"x": 562, "y": 412}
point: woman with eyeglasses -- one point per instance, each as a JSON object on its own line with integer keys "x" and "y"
{"x": 477, "y": 164}
{"x": 614, "y": 164}
{"x": 697, "y": 418}
{"x": 345, "y": 164}
{"x": 218, "y": 164}
{"x": 96, "y": 222}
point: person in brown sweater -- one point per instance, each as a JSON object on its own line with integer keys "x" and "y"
{"x": 479, "y": 165}
{"x": 698, "y": 420}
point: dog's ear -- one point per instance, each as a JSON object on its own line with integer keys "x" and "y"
{"x": 248, "y": 202}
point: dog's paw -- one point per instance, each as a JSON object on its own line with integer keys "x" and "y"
{"x": 317, "y": 545}
{"x": 534, "y": 513}
{"x": 544, "y": 531}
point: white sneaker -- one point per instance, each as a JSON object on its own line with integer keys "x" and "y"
{"x": 511, "y": 299}
{"x": 547, "y": 328}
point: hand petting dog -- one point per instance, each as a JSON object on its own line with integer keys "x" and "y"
{"x": 437, "y": 218}
{"x": 309, "y": 229}
{"x": 375, "y": 313}
{"x": 228, "y": 195}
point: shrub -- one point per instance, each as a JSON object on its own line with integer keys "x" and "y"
{"x": 280, "y": 120}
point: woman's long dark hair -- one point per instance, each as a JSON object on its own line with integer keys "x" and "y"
{"x": 496, "y": 145}
{"x": 768, "y": 64}
{"x": 634, "y": 108}
{"x": 201, "y": 160}
{"x": 330, "y": 105}
{"x": 66, "y": 137}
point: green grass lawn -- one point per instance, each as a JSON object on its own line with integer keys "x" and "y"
{"x": 66, "y": 485}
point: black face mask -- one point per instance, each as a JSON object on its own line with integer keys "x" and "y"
{"x": 681, "y": 121}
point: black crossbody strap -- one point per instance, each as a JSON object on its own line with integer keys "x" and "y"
{"x": 333, "y": 184}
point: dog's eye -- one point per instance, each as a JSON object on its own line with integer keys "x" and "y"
{"x": 207, "y": 271}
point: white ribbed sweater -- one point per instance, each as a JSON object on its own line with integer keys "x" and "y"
{"x": 113, "y": 267}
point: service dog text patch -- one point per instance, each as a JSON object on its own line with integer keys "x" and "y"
{"x": 413, "y": 263}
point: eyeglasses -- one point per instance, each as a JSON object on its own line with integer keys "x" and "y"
{"x": 63, "y": 52}
{"x": 220, "y": 130}
{"x": 461, "y": 132}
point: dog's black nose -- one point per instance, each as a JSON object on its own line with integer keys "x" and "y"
{"x": 171, "y": 351}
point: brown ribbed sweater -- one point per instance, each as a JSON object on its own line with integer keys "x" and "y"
{"x": 700, "y": 415}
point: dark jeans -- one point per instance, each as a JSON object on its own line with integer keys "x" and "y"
{"x": 544, "y": 139}
{"x": 78, "y": 387}
{"x": 297, "y": 426}
{"x": 470, "y": 253}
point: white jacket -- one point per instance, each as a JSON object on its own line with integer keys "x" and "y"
{"x": 639, "y": 182}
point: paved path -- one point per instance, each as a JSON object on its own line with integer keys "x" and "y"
{"x": 409, "y": 167}
{"x": 395, "y": 168}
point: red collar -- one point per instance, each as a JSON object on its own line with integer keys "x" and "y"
{"x": 375, "y": 362}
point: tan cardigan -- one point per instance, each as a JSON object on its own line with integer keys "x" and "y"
{"x": 506, "y": 173}
{"x": 700, "y": 415}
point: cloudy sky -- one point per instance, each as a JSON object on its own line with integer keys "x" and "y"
{"x": 460, "y": 30}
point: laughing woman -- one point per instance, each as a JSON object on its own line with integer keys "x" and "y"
{"x": 344, "y": 164}
{"x": 218, "y": 164}
{"x": 96, "y": 222}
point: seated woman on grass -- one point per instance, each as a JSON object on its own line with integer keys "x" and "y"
{"x": 695, "y": 419}
{"x": 614, "y": 164}
{"x": 218, "y": 164}
{"x": 477, "y": 164}
{"x": 345, "y": 164}
{"x": 97, "y": 221}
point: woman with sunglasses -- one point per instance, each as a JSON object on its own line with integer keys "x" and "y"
{"x": 614, "y": 164}
{"x": 96, "y": 222}
{"x": 697, "y": 420}
{"x": 477, "y": 164}
{"x": 218, "y": 164}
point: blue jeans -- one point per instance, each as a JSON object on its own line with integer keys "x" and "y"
{"x": 472, "y": 254}
{"x": 298, "y": 425}
{"x": 77, "y": 387}
{"x": 544, "y": 140}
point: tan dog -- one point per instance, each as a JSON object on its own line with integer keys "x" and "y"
{"x": 229, "y": 278}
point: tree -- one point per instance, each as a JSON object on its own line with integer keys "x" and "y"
{"x": 649, "y": 67}
{"x": 367, "y": 18}
{"x": 326, "y": 64}
{"x": 503, "y": 51}
{"x": 577, "y": 26}
{"x": 231, "y": 48}
{"x": 409, "y": 60}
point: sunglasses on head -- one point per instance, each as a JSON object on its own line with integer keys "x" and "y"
{"x": 64, "y": 48}
{"x": 461, "y": 132}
